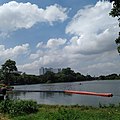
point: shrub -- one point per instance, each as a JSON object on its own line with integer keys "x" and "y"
{"x": 18, "y": 107}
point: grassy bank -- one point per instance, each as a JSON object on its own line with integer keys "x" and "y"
{"x": 49, "y": 112}
{"x": 25, "y": 110}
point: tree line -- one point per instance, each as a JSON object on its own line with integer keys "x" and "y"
{"x": 9, "y": 75}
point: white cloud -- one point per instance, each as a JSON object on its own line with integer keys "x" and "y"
{"x": 97, "y": 64}
{"x": 39, "y": 45}
{"x": 51, "y": 47}
{"x": 14, "y": 15}
{"x": 96, "y": 30}
{"x": 49, "y": 55}
{"x": 53, "y": 43}
{"x": 55, "y": 13}
{"x": 91, "y": 49}
{"x": 13, "y": 52}
{"x": 36, "y": 55}
{"x": 107, "y": 63}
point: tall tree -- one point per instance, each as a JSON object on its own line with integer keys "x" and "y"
{"x": 49, "y": 76}
{"x": 8, "y": 68}
{"x": 115, "y": 12}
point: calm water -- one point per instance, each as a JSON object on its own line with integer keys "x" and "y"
{"x": 71, "y": 99}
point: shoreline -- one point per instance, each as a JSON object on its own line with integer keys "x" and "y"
{"x": 65, "y": 82}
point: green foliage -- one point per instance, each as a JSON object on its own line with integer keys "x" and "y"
{"x": 68, "y": 71}
{"x": 18, "y": 107}
{"x": 115, "y": 12}
{"x": 7, "y": 68}
{"x": 66, "y": 114}
{"x": 49, "y": 77}
{"x": 73, "y": 113}
{"x": 80, "y": 77}
{"x": 118, "y": 48}
{"x": 109, "y": 77}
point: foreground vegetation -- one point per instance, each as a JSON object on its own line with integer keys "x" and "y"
{"x": 18, "y": 107}
{"x": 73, "y": 113}
{"x": 25, "y": 110}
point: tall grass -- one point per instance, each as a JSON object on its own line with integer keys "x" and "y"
{"x": 18, "y": 107}
{"x": 47, "y": 112}
{"x": 25, "y": 110}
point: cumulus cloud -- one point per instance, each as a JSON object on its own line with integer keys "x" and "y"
{"x": 96, "y": 64}
{"x": 55, "y": 13}
{"x": 91, "y": 49}
{"x": 13, "y": 52}
{"x": 50, "y": 48}
{"x": 95, "y": 29}
{"x": 14, "y": 15}
{"x": 39, "y": 53}
{"x": 48, "y": 58}
{"x": 53, "y": 43}
{"x": 107, "y": 63}
{"x": 39, "y": 45}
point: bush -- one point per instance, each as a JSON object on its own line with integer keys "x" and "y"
{"x": 18, "y": 107}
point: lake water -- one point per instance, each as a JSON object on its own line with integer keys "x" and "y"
{"x": 112, "y": 86}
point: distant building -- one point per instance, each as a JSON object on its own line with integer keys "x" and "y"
{"x": 43, "y": 70}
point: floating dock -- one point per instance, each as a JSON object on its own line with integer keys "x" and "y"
{"x": 69, "y": 92}
{"x": 89, "y": 93}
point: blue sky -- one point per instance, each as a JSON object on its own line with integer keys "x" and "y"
{"x": 56, "y": 33}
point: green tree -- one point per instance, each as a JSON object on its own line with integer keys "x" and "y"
{"x": 68, "y": 71}
{"x": 67, "y": 75}
{"x": 115, "y": 12}
{"x": 80, "y": 77}
{"x": 49, "y": 77}
{"x": 88, "y": 77}
{"x": 8, "y": 69}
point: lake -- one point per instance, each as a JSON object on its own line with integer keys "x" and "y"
{"x": 108, "y": 86}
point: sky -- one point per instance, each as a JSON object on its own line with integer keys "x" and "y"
{"x": 78, "y": 34}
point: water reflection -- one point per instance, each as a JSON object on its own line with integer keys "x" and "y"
{"x": 70, "y": 99}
